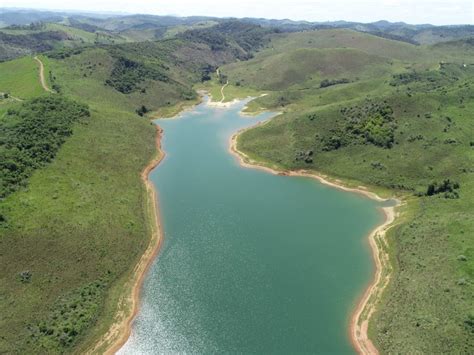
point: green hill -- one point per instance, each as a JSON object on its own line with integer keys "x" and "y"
{"x": 41, "y": 37}
{"x": 309, "y": 66}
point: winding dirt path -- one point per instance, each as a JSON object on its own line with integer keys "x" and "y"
{"x": 41, "y": 74}
{"x": 120, "y": 330}
{"x": 223, "y": 86}
{"x": 222, "y": 91}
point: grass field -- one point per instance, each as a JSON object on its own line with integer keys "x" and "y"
{"x": 20, "y": 78}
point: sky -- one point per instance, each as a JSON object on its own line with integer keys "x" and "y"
{"x": 437, "y": 12}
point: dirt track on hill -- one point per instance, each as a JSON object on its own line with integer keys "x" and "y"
{"x": 41, "y": 73}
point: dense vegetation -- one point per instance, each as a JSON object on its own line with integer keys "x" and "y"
{"x": 71, "y": 315}
{"x": 240, "y": 37}
{"x": 369, "y": 123}
{"x": 127, "y": 74}
{"x": 31, "y": 136}
{"x": 21, "y": 44}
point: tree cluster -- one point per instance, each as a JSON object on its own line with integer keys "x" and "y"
{"x": 447, "y": 188}
{"x": 127, "y": 74}
{"x": 370, "y": 123}
{"x": 69, "y": 318}
{"x": 327, "y": 82}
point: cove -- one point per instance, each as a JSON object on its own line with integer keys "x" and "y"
{"x": 251, "y": 262}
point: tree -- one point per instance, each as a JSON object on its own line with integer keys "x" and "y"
{"x": 141, "y": 111}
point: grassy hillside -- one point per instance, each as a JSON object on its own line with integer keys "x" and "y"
{"x": 17, "y": 41}
{"x": 86, "y": 37}
{"x": 80, "y": 223}
{"x": 342, "y": 38}
{"x": 20, "y": 78}
{"x": 306, "y": 65}
{"x": 409, "y": 133}
{"x": 295, "y": 64}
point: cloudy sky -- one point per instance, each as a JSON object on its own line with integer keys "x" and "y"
{"x": 412, "y": 11}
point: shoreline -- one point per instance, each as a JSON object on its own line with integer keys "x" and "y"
{"x": 359, "y": 323}
{"x": 119, "y": 333}
{"x": 120, "y": 330}
{"x": 366, "y": 306}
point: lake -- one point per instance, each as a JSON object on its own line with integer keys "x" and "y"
{"x": 251, "y": 262}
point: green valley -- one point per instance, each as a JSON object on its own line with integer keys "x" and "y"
{"x": 387, "y": 106}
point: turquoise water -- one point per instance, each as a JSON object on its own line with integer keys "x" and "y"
{"x": 251, "y": 262}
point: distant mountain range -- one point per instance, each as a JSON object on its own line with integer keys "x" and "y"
{"x": 30, "y": 31}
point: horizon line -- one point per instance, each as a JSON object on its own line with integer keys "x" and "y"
{"x": 122, "y": 13}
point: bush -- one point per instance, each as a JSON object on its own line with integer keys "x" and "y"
{"x": 447, "y": 188}
{"x": 206, "y": 72}
{"x": 306, "y": 156}
{"x": 25, "y": 276}
{"x": 223, "y": 79}
{"x": 326, "y": 82}
{"x": 469, "y": 323}
{"x": 142, "y": 110}
{"x": 333, "y": 142}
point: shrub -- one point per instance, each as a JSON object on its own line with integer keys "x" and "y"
{"x": 447, "y": 188}
{"x": 326, "y": 82}
{"x": 306, "y": 156}
{"x": 25, "y": 276}
{"x": 332, "y": 142}
{"x": 469, "y": 323}
{"x": 141, "y": 111}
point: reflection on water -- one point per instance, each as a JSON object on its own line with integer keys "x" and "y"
{"x": 251, "y": 262}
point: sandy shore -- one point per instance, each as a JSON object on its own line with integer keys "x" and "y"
{"x": 221, "y": 104}
{"x": 120, "y": 330}
{"x": 367, "y": 304}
